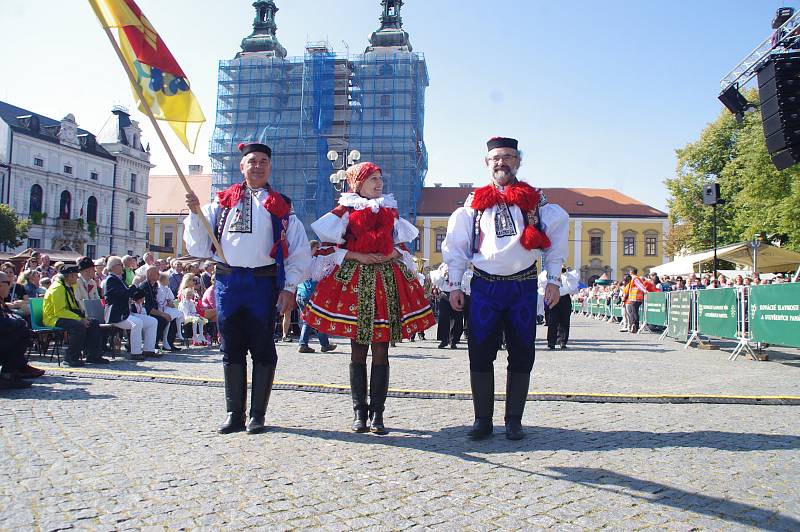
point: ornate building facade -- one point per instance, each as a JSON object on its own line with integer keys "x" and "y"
{"x": 82, "y": 192}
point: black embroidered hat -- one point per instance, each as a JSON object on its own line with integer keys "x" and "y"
{"x": 501, "y": 142}
{"x": 70, "y": 269}
{"x": 251, "y": 147}
{"x": 85, "y": 264}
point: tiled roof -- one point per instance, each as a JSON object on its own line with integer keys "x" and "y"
{"x": 578, "y": 202}
{"x": 167, "y": 195}
{"x": 48, "y": 129}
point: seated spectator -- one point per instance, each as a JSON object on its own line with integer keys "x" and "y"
{"x": 166, "y": 304}
{"x": 29, "y": 279}
{"x": 166, "y": 327}
{"x": 44, "y": 266}
{"x": 188, "y": 306}
{"x": 16, "y": 299}
{"x": 32, "y": 263}
{"x": 58, "y": 266}
{"x": 207, "y": 308}
{"x": 129, "y": 269}
{"x": 61, "y": 309}
{"x": 118, "y": 312}
{"x": 680, "y": 284}
{"x": 45, "y": 283}
{"x": 175, "y": 277}
{"x": 86, "y": 287}
{"x": 16, "y": 337}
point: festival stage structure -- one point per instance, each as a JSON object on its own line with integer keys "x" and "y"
{"x": 304, "y": 107}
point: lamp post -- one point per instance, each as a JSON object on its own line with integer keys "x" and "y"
{"x": 754, "y": 245}
{"x": 341, "y": 162}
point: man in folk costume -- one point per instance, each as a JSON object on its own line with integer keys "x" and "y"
{"x": 267, "y": 255}
{"x": 502, "y": 229}
{"x": 368, "y": 290}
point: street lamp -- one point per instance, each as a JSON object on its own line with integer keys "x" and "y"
{"x": 345, "y": 160}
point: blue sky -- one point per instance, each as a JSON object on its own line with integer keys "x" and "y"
{"x": 600, "y": 94}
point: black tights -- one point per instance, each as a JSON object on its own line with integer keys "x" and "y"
{"x": 380, "y": 353}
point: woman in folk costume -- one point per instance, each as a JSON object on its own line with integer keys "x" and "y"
{"x": 368, "y": 289}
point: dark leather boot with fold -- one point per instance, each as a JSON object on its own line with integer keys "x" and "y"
{"x": 235, "y": 392}
{"x": 482, "y": 384}
{"x": 263, "y": 376}
{"x": 516, "y": 395}
{"x": 358, "y": 391}
{"x": 378, "y": 388}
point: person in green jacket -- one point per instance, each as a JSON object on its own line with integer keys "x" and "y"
{"x": 61, "y": 309}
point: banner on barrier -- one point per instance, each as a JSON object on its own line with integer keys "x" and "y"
{"x": 716, "y": 312}
{"x": 680, "y": 308}
{"x": 655, "y": 308}
{"x": 774, "y": 313}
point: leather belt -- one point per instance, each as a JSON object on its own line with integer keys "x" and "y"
{"x": 525, "y": 275}
{"x": 261, "y": 271}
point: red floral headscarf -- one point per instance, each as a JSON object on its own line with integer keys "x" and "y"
{"x": 358, "y": 173}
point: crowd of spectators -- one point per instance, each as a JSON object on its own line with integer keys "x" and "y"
{"x": 142, "y": 297}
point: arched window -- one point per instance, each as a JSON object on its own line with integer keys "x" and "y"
{"x": 65, "y": 206}
{"x": 131, "y": 221}
{"x": 91, "y": 209}
{"x": 35, "y": 203}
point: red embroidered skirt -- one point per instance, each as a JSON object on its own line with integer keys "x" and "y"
{"x": 370, "y": 303}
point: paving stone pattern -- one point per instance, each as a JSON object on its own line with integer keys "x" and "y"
{"x": 81, "y": 453}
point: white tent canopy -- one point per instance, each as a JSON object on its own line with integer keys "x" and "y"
{"x": 769, "y": 259}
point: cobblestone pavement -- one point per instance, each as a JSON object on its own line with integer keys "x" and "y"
{"x": 98, "y": 454}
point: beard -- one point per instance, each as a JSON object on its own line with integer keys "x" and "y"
{"x": 504, "y": 175}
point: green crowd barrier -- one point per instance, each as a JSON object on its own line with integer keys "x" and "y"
{"x": 680, "y": 309}
{"x": 716, "y": 312}
{"x": 617, "y": 310}
{"x": 774, "y": 314}
{"x": 655, "y": 308}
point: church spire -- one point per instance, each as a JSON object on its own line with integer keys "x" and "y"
{"x": 263, "y": 39}
{"x": 391, "y": 32}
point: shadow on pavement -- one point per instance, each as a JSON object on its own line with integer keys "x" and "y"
{"x": 452, "y": 441}
{"x": 653, "y": 492}
{"x": 72, "y": 390}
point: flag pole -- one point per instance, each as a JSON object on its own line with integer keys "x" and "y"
{"x": 151, "y": 116}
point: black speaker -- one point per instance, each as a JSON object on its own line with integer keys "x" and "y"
{"x": 711, "y": 194}
{"x": 779, "y": 93}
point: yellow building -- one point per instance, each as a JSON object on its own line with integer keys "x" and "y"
{"x": 609, "y": 232}
{"x": 166, "y": 210}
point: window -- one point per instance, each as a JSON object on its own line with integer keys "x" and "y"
{"x": 67, "y": 169}
{"x": 595, "y": 245}
{"x": 91, "y": 251}
{"x": 35, "y": 202}
{"x": 93, "y": 176}
{"x": 131, "y": 221}
{"x": 133, "y": 182}
{"x": 34, "y": 243}
{"x": 650, "y": 246}
{"x": 439, "y": 240}
{"x": 38, "y": 161}
{"x": 629, "y": 245}
{"x": 168, "y": 239}
{"x": 65, "y": 206}
{"x": 386, "y": 100}
{"x": 91, "y": 210}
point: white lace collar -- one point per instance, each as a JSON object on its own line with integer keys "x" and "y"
{"x": 351, "y": 199}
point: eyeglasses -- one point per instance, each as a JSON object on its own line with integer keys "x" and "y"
{"x": 502, "y": 158}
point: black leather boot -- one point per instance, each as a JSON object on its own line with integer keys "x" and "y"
{"x": 483, "y": 402}
{"x": 378, "y": 388}
{"x": 235, "y": 390}
{"x": 516, "y": 395}
{"x": 261, "y": 384}
{"x": 358, "y": 391}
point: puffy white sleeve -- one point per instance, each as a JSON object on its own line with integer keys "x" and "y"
{"x": 456, "y": 248}
{"x": 329, "y": 228}
{"x": 196, "y": 238}
{"x": 404, "y": 231}
{"x": 298, "y": 263}
{"x": 555, "y": 222}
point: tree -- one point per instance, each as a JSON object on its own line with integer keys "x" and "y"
{"x": 758, "y": 198}
{"x": 13, "y": 231}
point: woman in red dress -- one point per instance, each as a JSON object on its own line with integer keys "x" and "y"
{"x": 368, "y": 289}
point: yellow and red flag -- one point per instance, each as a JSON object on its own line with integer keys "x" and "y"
{"x": 162, "y": 81}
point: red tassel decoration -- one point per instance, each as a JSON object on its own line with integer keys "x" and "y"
{"x": 532, "y": 238}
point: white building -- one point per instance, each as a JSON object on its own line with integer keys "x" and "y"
{"x": 82, "y": 192}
